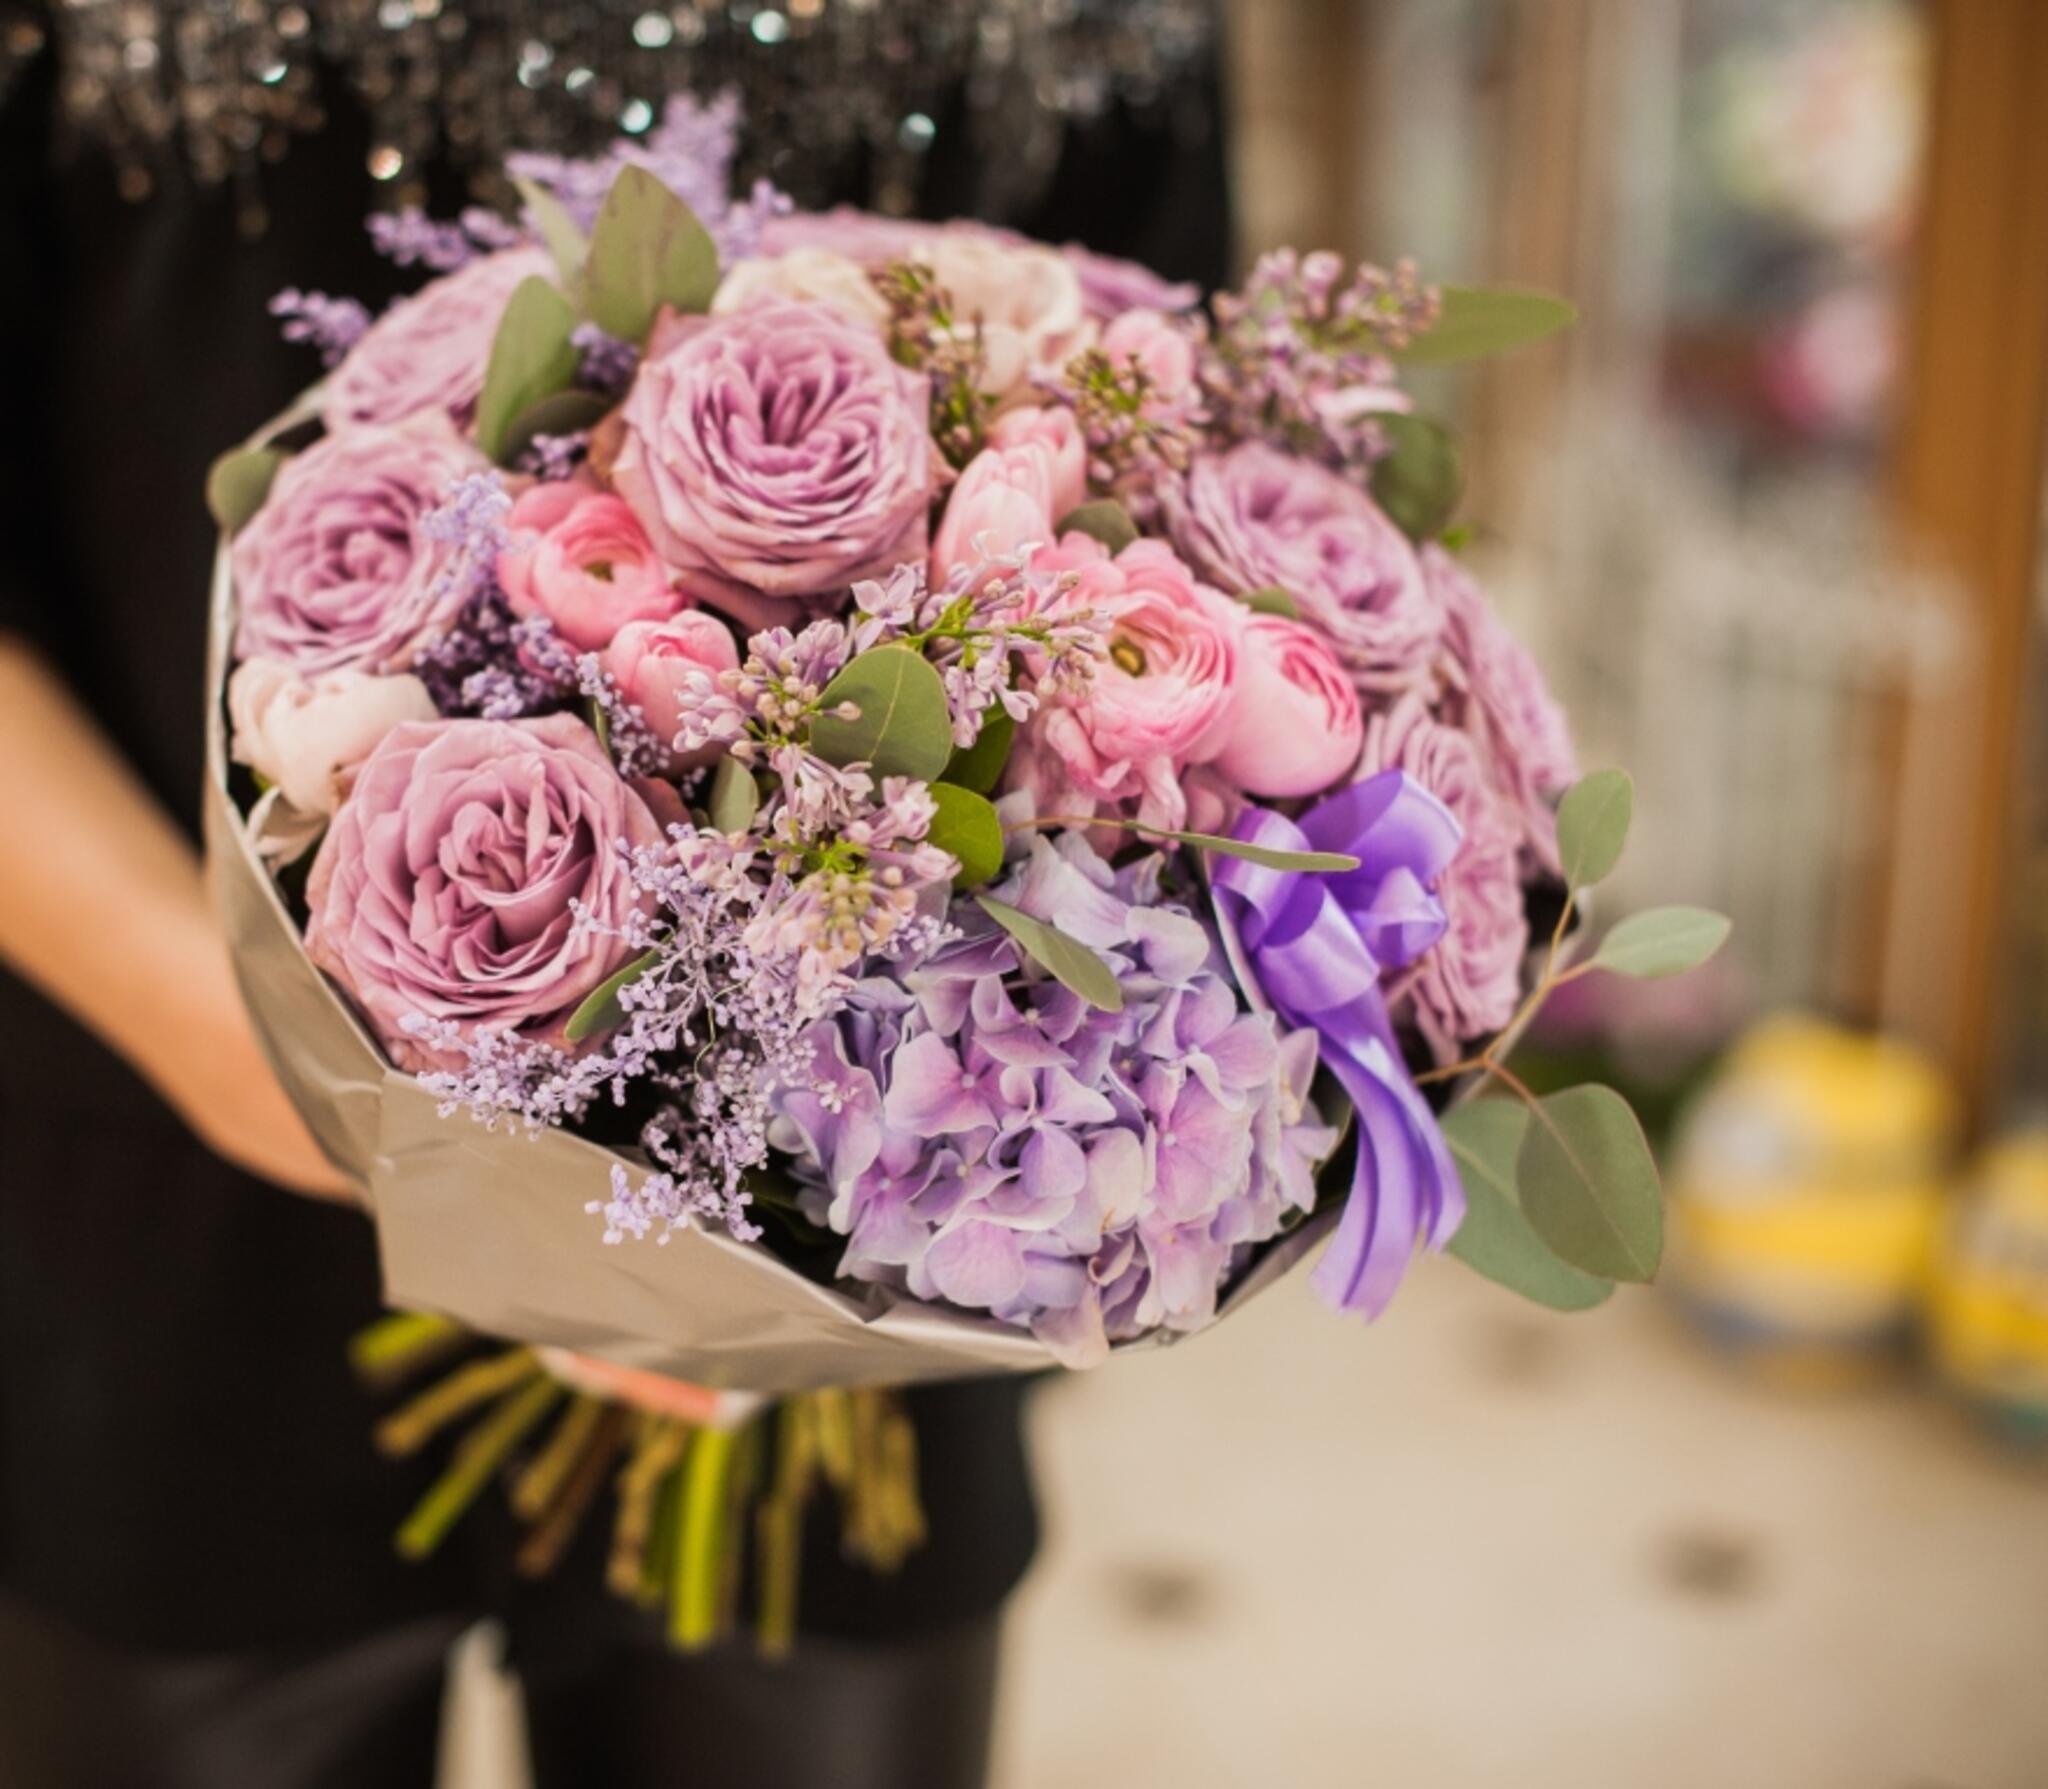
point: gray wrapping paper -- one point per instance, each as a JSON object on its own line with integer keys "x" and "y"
{"x": 490, "y": 1227}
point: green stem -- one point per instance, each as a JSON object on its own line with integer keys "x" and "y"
{"x": 411, "y": 1427}
{"x": 399, "y": 1344}
{"x": 693, "y": 1596}
{"x": 482, "y": 1452}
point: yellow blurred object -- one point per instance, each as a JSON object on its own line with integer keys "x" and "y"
{"x": 1805, "y": 1195}
{"x": 1988, "y": 1304}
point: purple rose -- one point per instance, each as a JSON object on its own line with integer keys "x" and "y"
{"x": 1254, "y": 518}
{"x": 777, "y": 453}
{"x": 338, "y": 571}
{"x": 429, "y": 351}
{"x": 1494, "y": 692}
{"x": 450, "y": 883}
{"x": 1466, "y": 985}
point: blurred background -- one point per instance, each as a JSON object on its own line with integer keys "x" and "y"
{"x": 1771, "y": 518}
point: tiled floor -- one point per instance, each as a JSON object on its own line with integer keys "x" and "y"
{"x": 1479, "y": 1546}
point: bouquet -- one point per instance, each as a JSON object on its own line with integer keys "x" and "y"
{"x": 810, "y": 802}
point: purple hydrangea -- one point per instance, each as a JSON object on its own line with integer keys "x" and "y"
{"x": 981, "y": 1135}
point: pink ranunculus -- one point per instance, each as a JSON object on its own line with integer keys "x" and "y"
{"x": 1295, "y": 727}
{"x": 1156, "y": 704}
{"x": 450, "y": 884}
{"x": 580, "y": 557}
{"x": 338, "y": 571}
{"x": 1002, "y": 503}
{"x": 1467, "y": 984}
{"x": 1255, "y": 518}
{"x": 1163, "y": 347}
{"x": 428, "y": 352}
{"x": 1494, "y": 692}
{"x": 656, "y": 662}
{"x": 776, "y": 454}
{"x": 301, "y": 733}
{"x": 1051, "y": 426}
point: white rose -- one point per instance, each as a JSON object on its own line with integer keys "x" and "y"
{"x": 813, "y": 275}
{"x": 301, "y": 734}
{"x": 1027, "y": 300}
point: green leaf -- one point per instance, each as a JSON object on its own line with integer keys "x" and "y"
{"x": 531, "y": 358}
{"x": 1106, "y": 521}
{"x": 1662, "y": 941}
{"x": 1481, "y": 320}
{"x": 904, "y": 727}
{"x": 980, "y": 766}
{"x": 1419, "y": 481}
{"x": 735, "y": 796}
{"x": 966, "y": 825}
{"x": 600, "y": 724}
{"x": 1269, "y": 856}
{"x": 1272, "y": 601}
{"x": 237, "y": 483}
{"x": 1592, "y": 826}
{"x": 557, "y": 230}
{"x": 1071, "y": 963}
{"x": 1589, "y": 1186}
{"x": 647, "y": 250}
{"x": 560, "y": 413}
{"x": 1496, "y": 1240}
{"x": 601, "y": 1010}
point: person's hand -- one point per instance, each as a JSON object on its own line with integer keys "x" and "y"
{"x": 213, "y": 1071}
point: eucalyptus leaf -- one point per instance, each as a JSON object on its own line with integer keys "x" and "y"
{"x": 980, "y": 766}
{"x": 1071, "y": 963}
{"x": 1662, "y": 941}
{"x": 647, "y": 250}
{"x": 600, "y": 724}
{"x": 1419, "y": 480}
{"x": 560, "y": 413}
{"x": 735, "y": 796}
{"x": 1496, "y": 1241}
{"x": 903, "y": 725}
{"x": 1105, "y": 520}
{"x": 559, "y": 232}
{"x": 1268, "y": 856}
{"x": 1592, "y": 826}
{"x": 967, "y": 826}
{"x": 1589, "y": 1185}
{"x": 601, "y": 1010}
{"x": 238, "y": 482}
{"x": 1272, "y": 601}
{"x": 532, "y": 358}
{"x": 1482, "y": 320}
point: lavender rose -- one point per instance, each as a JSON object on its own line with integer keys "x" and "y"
{"x": 1467, "y": 984}
{"x": 428, "y": 352}
{"x": 777, "y": 453}
{"x": 338, "y": 570}
{"x": 1254, "y": 518}
{"x": 448, "y": 886}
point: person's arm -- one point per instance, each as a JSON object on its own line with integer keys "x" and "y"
{"x": 101, "y": 906}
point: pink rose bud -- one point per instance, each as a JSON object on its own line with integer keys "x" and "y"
{"x": 657, "y": 663}
{"x": 1295, "y": 726}
{"x": 1163, "y": 349}
{"x": 580, "y": 557}
{"x": 1002, "y": 502}
{"x": 1054, "y": 429}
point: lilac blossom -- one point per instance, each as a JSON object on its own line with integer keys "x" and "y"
{"x": 413, "y": 239}
{"x": 981, "y": 1135}
{"x": 331, "y": 325}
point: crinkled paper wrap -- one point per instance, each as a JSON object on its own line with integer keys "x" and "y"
{"x": 490, "y": 1227}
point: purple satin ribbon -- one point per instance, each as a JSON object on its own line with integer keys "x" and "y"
{"x": 1318, "y": 944}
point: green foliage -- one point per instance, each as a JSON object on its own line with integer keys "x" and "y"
{"x": 559, "y": 413}
{"x": 902, "y": 725}
{"x": 531, "y": 358}
{"x": 966, "y": 825}
{"x": 1589, "y": 1186}
{"x": 980, "y": 766}
{"x": 1419, "y": 480}
{"x": 1482, "y": 320}
{"x": 735, "y": 796}
{"x": 1071, "y": 963}
{"x": 601, "y": 1010}
{"x": 1105, "y": 520}
{"x": 558, "y": 231}
{"x": 647, "y": 250}
{"x": 1272, "y": 601}
{"x": 1592, "y": 826}
{"x": 1662, "y": 941}
{"x": 1496, "y": 1240}
{"x": 238, "y": 482}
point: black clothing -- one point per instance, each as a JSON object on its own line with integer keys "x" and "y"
{"x": 184, "y": 1460}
